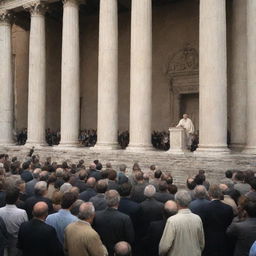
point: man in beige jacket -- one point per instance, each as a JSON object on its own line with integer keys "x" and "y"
{"x": 80, "y": 238}
{"x": 183, "y": 234}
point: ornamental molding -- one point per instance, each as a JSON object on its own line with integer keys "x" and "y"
{"x": 6, "y": 16}
{"x": 73, "y": 2}
{"x": 183, "y": 62}
{"x": 17, "y": 5}
{"x": 36, "y": 7}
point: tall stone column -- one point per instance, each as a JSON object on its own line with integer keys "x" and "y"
{"x": 251, "y": 78}
{"x": 70, "y": 74}
{"x": 37, "y": 76}
{"x": 141, "y": 76}
{"x": 6, "y": 80}
{"x": 213, "y": 77}
{"x": 238, "y": 76}
{"x": 108, "y": 76}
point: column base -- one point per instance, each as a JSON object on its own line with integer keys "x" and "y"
{"x": 139, "y": 148}
{"x": 72, "y": 144}
{"x": 212, "y": 151}
{"x": 237, "y": 147}
{"x": 36, "y": 144}
{"x": 7, "y": 144}
{"x": 105, "y": 146}
{"x": 249, "y": 150}
{"x": 177, "y": 151}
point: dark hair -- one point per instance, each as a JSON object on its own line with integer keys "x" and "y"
{"x": 250, "y": 208}
{"x": 64, "y": 165}
{"x": 239, "y": 176}
{"x": 157, "y": 174}
{"x": 136, "y": 167}
{"x": 101, "y": 187}
{"x": 229, "y": 174}
{"x": 253, "y": 183}
{"x": 83, "y": 175}
{"x": 234, "y": 194}
{"x": 99, "y": 166}
{"x": 162, "y": 186}
{"x": 96, "y": 161}
{"x": 104, "y": 174}
{"x": 172, "y": 189}
{"x": 199, "y": 179}
{"x": 125, "y": 189}
{"x": 191, "y": 185}
{"x": 66, "y": 177}
{"x": 215, "y": 192}
{"x": 12, "y": 194}
{"x": 68, "y": 199}
{"x": 139, "y": 175}
{"x": 112, "y": 174}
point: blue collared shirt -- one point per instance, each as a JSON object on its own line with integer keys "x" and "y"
{"x": 59, "y": 221}
{"x": 253, "y": 250}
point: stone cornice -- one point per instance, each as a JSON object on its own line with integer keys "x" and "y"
{"x": 6, "y": 17}
{"x": 36, "y": 7}
{"x": 18, "y": 4}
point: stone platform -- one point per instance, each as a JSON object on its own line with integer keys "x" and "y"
{"x": 180, "y": 166}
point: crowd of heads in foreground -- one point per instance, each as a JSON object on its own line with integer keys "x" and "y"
{"x": 47, "y": 208}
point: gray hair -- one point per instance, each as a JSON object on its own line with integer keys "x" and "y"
{"x": 183, "y": 198}
{"x": 36, "y": 173}
{"x": 86, "y": 211}
{"x": 40, "y": 188}
{"x": 122, "y": 249}
{"x": 112, "y": 198}
{"x": 59, "y": 172}
{"x": 149, "y": 191}
{"x": 200, "y": 192}
{"x": 122, "y": 168}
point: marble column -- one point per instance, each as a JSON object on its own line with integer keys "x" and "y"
{"x": 212, "y": 77}
{"x": 70, "y": 74}
{"x": 238, "y": 76}
{"x": 141, "y": 76}
{"x": 108, "y": 76}
{"x": 251, "y": 78}
{"x": 6, "y": 80}
{"x": 37, "y": 76}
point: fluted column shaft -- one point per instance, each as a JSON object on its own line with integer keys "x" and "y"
{"x": 6, "y": 80}
{"x": 70, "y": 74}
{"x": 251, "y": 77}
{"x": 141, "y": 75}
{"x": 37, "y": 77}
{"x": 108, "y": 76}
{"x": 213, "y": 77}
{"x": 238, "y": 75}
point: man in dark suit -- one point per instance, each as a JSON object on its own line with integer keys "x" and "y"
{"x": 112, "y": 184}
{"x": 137, "y": 193}
{"x": 30, "y": 186}
{"x": 163, "y": 195}
{"x": 81, "y": 181}
{"x": 40, "y": 196}
{"x": 156, "y": 229}
{"x": 218, "y": 216}
{"x": 201, "y": 201}
{"x": 99, "y": 200}
{"x": 37, "y": 238}
{"x": 244, "y": 233}
{"x": 93, "y": 172}
{"x": 90, "y": 191}
{"x": 26, "y": 175}
{"x": 112, "y": 225}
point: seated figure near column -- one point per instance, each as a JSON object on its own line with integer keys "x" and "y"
{"x": 188, "y": 126}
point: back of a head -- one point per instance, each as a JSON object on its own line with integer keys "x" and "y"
{"x": 229, "y": 174}
{"x": 75, "y": 207}
{"x": 136, "y": 167}
{"x": 101, "y": 186}
{"x": 83, "y": 175}
{"x": 91, "y": 182}
{"x": 250, "y": 208}
{"x": 191, "y": 184}
{"x": 152, "y": 167}
{"x": 200, "y": 192}
{"x": 99, "y": 166}
{"x": 112, "y": 198}
{"x": 183, "y": 198}
{"x": 139, "y": 176}
{"x": 158, "y": 174}
{"x": 108, "y": 165}
{"x": 125, "y": 189}
{"x": 40, "y": 188}
{"x": 12, "y": 194}
{"x": 253, "y": 183}
{"x": 68, "y": 199}
{"x": 239, "y": 176}
{"x": 122, "y": 168}
{"x": 149, "y": 191}
{"x": 199, "y": 179}
{"x": 162, "y": 186}
{"x": 40, "y": 210}
{"x": 86, "y": 211}
{"x": 170, "y": 208}
{"x": 122, "y": 249}
{"x": 215, "y": 192}
{"x": 112, "y": 174}
{"x": 25, "y": 165}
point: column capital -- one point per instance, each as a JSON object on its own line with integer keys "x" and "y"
{"x": 36, "y": 8}
{"x": 6, "y": 17}
{"x": 73, "y": 2}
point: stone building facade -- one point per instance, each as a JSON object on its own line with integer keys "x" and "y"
{"x": 132, "y": 65}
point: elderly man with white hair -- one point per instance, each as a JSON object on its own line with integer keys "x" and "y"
{"x": 183, "y": 234}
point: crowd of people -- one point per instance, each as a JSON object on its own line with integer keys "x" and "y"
{"x": 48, "y": 209}
{"x": 88, "y": 138}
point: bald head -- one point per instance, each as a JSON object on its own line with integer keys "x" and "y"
{"x": 91, "y": 182}
{"x": 92, "y": 166}
{"x": 86, "y": 212}
{"x": 40, "y": 210}
{"x": 170, "y": 208}
{"x": 122, "y": 249}
{"x": 201, "y": 192}
{"x": 112, "y": 198}
{"x": 223, "y": 187}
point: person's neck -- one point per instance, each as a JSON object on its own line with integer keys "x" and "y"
{"x": 182, "y": 208}
{"x": 40, "y": 218}
{"x": 114, "y": 207}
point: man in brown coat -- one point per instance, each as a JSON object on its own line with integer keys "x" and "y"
{"x": 80, "y": 238}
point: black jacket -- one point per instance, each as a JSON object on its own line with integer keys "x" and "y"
{"x": 87, "y": 194}
{"x": 36, "y": 238}
{"x": 113, "y": 226}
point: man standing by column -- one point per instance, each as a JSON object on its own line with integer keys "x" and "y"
{"x": 187, "y": 124}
